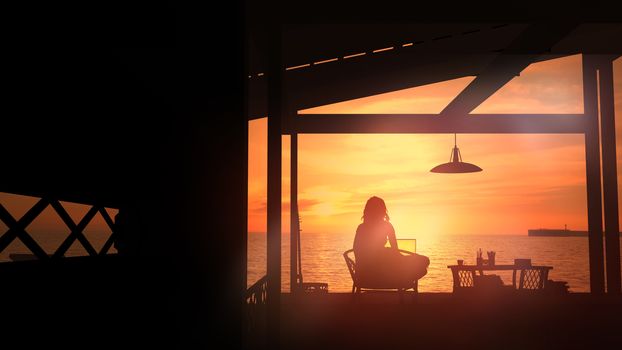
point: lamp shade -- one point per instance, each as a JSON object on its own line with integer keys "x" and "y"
{"x": 455, "y": 165}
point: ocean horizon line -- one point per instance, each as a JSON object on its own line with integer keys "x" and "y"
{"x": 414, "y": 235}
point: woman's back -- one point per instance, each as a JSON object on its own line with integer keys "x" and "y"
{"x": 370, "y": 239}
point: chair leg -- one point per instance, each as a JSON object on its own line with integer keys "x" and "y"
{"x": 415, "y": 297}
{"x": 357, "y": 294}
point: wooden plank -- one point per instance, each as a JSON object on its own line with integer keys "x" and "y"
{"x": 343, "y": 39}
{"x": 106, "y": 247}
{"x": 520, "y": 53}
{"x": 326, "y": 85}
{"x": 432, "y": 123}
{"x": 107, "y": 218}
{"x": 369, "y": 75}
{"x": 503, "y": 69}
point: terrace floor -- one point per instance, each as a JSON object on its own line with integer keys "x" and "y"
{"x": 378, "y": 320}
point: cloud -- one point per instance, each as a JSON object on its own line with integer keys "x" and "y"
{"x": 553, "y": 86}
{"x": 306, "y": 204}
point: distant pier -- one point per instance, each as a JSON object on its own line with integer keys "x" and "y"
{"x": 545, "y": 232}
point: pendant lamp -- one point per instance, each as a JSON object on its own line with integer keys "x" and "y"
{"x": 456, "y": 165}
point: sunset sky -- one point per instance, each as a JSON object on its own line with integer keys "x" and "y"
{"x": 529, "y": 181}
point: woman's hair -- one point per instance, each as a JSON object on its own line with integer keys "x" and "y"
{"x": 375, "y": 209}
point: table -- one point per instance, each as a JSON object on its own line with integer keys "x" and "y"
{"x": 532, "y": 277}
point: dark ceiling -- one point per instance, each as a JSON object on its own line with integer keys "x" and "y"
{"x": 338, "y": 62}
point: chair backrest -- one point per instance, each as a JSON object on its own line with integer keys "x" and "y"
{"x": 532, "y": 279}
{"x": 348, "y": 256}
{"x": 465, "y": 278}
{"x": 350, "y": 259}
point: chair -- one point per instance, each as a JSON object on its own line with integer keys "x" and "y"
{"x": 533, "y": 279}
{"x": 359, "y": 284}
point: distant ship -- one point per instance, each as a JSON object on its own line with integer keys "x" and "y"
{"x": 547, "y": 232}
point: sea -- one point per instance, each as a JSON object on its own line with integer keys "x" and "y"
{"x": 322, "y": 258}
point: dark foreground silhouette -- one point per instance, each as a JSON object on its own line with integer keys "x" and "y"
{"x": 377, "y": 320}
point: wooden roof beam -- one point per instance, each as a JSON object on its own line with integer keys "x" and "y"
{"x": 432, "y": 123}
{"x": 536, "y": 40}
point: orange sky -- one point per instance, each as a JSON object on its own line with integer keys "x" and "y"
{"x": 529, "y": 181}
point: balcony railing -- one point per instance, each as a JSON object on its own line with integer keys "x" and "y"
{"x": 256, "y": 322}
{"x": 256, "y": 294}
{"x": 17, "y": 229}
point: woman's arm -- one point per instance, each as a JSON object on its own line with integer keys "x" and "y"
{"x": 391, "y": 236}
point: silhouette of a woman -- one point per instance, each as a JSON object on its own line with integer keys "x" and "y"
{"x": 373, "y": 259}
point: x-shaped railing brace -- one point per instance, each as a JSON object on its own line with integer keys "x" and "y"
{"x": 76, "y": 230}
{"x": 17, "y": 228}
{"x": 110, "y": 223}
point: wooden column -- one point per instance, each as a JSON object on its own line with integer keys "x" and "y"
{"x": 294, "y": 224}
{"x": 275, "y": 111}
{"x": 592, "y": 163}
{"x": 610, "y": 174}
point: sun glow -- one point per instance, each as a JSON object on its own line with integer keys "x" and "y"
{"x": 323, "y": 209}
{"x": 529, "y": 181}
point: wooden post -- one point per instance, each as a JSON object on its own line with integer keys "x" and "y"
{"x": 610, "y": 174}
{"x": 275, "y": 111}
{"x": 294, "y": 228}
{"x": 592, "y": 164}
{"x": 245, "y": 205}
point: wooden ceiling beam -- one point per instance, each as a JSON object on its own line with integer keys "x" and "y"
{"x": 433, "y": 123}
